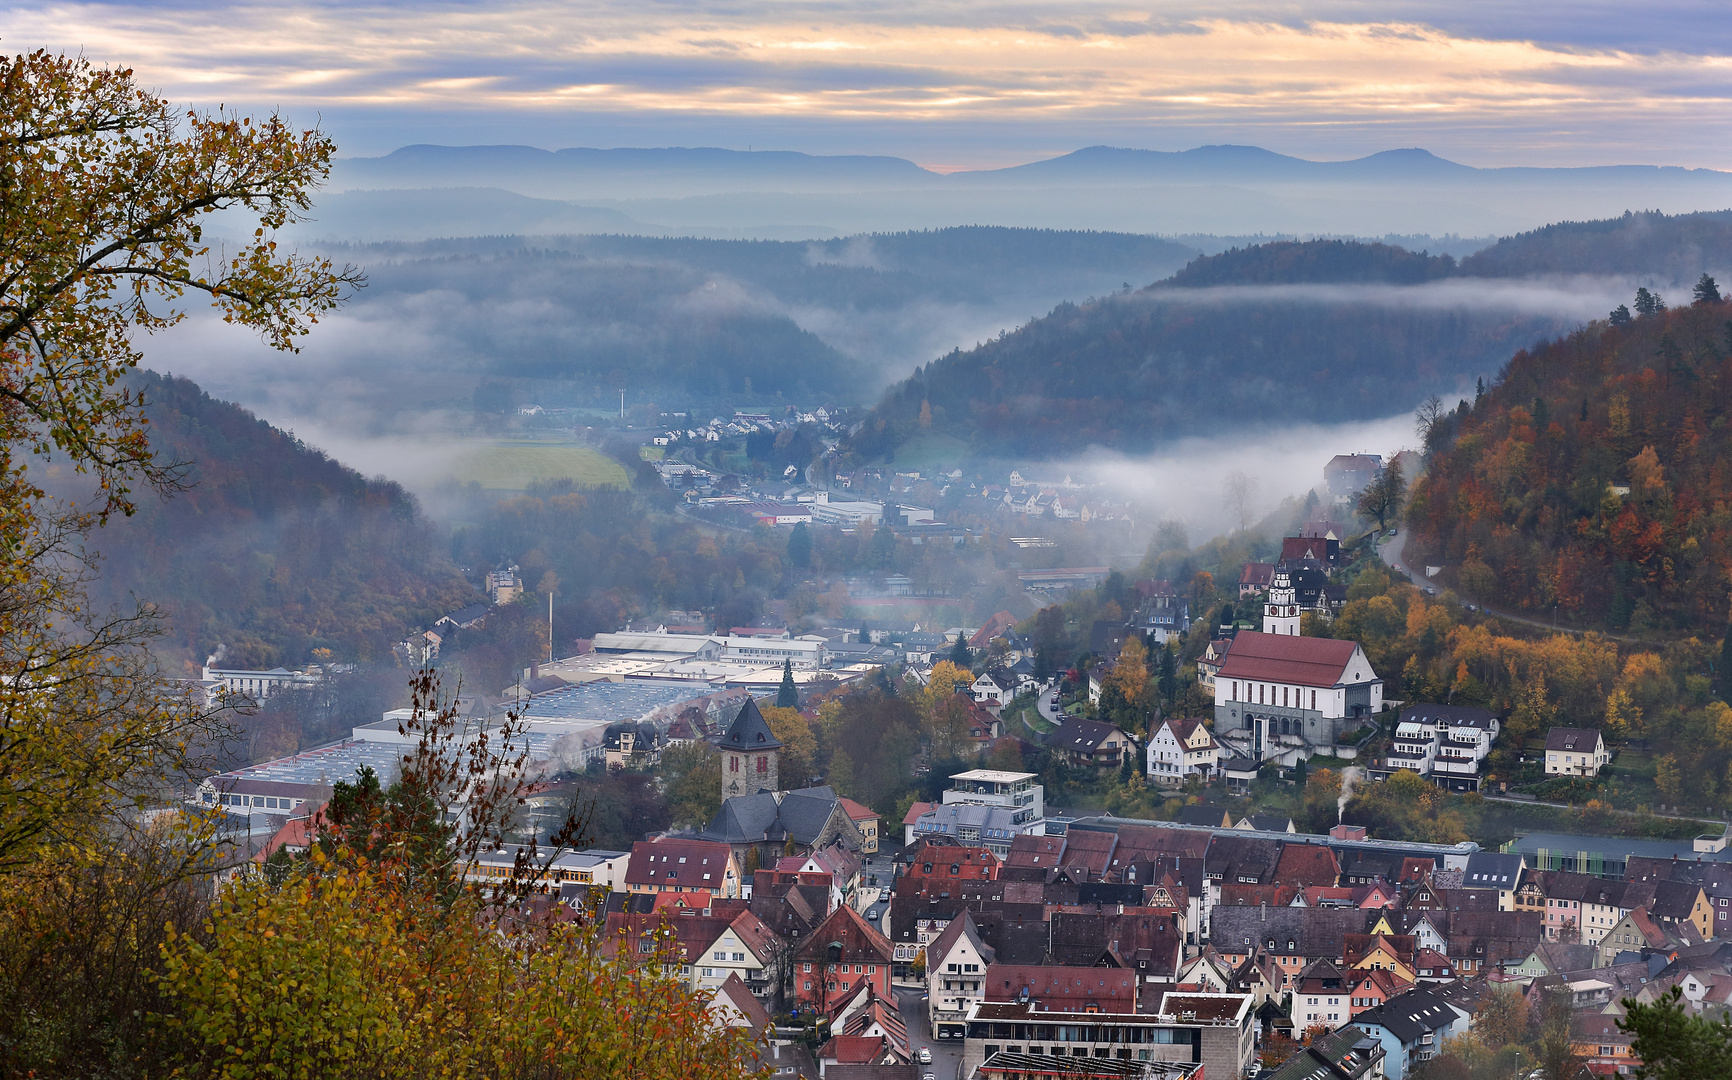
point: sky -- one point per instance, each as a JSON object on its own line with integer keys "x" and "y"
{"x": 950, "y": 84}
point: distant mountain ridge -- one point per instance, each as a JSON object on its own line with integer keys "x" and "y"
{"x": 1213, "y": 162}
{"x": 1226, "y": 190}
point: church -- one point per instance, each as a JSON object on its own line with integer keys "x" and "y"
{"x": 1286, "y": 691}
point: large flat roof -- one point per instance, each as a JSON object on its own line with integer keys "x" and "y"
{"x": 607, "y": 702}
{"x": 1617, "y": 846}
{"x": 993, "y": 776}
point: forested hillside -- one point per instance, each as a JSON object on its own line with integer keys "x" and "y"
{"x": 1358, "y": 330}
{"x": 1595, "y": 476}
{"x": 1294, "y": 262}
{"x": 274, "y": 549}
{"x": 1130, "y": 371}
{"x": 1671, "y": 248}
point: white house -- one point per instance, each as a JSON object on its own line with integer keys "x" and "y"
{"x": 1179, "y": 749}
{"x": 1320, "y": 1000}
{"x": 993, "y": 691}
{"x": 1445, "y": 743}
{"x": 1575, "y": 752}
{"x": 955, "y": 976}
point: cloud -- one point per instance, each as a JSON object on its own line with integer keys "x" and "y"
{"x": 1339, "y": 78}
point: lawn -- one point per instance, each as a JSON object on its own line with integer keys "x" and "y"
{"x": 511, "y": 466}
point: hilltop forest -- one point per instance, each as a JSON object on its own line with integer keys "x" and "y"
{"x": 1595, "y": 477}
{"x": 272, "y": 549}
{"x": 1314, "y": 331}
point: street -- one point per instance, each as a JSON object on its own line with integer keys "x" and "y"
{"x": 946, "y": 1055}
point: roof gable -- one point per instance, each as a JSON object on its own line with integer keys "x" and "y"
{"x": 1305, "y": 661}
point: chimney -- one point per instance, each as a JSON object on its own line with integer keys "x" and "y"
{"x": 534, "y": 669}
{"x": 1347, "y": 832}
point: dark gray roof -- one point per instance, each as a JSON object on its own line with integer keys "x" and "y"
{"x": 1569, "y": 738}
{"x": 1492, "y": 870}
{"x": 749, "y": 819}
{"x": 1201, "y": 815}
{"x": 749, "y": 732}
{"x": 1461, "y": 715}
{"x": 1409, "y": 1016}
{"x": 1077, "y": 734}
{"x": 1243, "y": 860}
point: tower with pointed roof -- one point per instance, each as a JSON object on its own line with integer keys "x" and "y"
{"x": 748, "y": 754}
{"x": 1281, "y": 613}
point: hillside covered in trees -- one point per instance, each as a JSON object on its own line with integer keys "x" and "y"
{"x": 273, "y": 549}
{"x": 1595, "y": 476}
{"x": 1321, "y": 330}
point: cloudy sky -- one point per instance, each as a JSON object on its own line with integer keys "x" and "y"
{"x": 949, "y": 83}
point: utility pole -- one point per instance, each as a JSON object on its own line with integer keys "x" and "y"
{"x": 550, "y": 626}
{"x": 622, "y": 404}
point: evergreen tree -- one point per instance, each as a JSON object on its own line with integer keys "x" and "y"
{"x": 788, "y": 697}
{"x": 1705, "y": 292}
{"x": 1674, "y": 1045}
{"x": 1621, "y": 316}
{"x": 1725, "y": 671}
{"x": 959, "y": 654}
{"x": 1648, "y": 303}
{"x": 800, "y": 547}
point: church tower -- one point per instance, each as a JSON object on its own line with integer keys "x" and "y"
{"x": 748, "y": 754}
{"x": 1281, "y": 613}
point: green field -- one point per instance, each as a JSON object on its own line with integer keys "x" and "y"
{"x": 511, "y": 466}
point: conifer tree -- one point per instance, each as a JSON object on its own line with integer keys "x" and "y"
{"x": 788, "y": 697}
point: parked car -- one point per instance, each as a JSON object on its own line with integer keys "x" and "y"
{"x": 926, "y": 1055}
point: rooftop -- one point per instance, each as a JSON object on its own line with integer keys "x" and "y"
{"x": 609, "y": 701}
{"x": 993, "y": 776}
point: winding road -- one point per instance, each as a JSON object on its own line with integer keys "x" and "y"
{"x": 1391, "y": 551}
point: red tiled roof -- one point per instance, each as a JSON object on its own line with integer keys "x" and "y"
{"x": 659, "y": 862}
{"x": 915, "y": 811}
{"x": 1257, "y": 573}
{"x": 1305, "y": 661}
{"x": 856, "y": 811}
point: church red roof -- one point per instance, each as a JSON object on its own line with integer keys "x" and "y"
{"x": 1284, "y": 658}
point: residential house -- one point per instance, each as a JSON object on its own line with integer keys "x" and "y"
{"x": 1092, "y": 743}
{"x": 956, "y": 966}
{"x": 842, "y": 951}
{"x": 1634, "y": 933}
{"x": 1180, "y": 749}
{"x": 683, "y": 866}
{"x": 733, "y": 1006}
{"x": 866, "y": 820}
{"x": 1255, "y": 578}
{"x": 1208, "y": 664}
{"x": 1412, "y": 1028}
{"x": 1204, "y": 815}
{"x": 1584, "y": 908}
{"x": 1603, "y": 1047}
{"x": 1320, "y": 998}
{"x": 994, "y": 690}
{"x": 631, "y": 744}
{"x": 1494, "y": 870}
{"x": 1575, "y": 752}
{"x": 1266, "y": 823}
{"x": 1348, "y": 1054}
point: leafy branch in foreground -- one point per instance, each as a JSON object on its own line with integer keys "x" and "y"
{"x": 373, "y": 957}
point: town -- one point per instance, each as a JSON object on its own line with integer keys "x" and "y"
{"x": 987, "y": 932}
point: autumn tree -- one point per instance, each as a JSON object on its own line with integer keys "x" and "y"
{"x": 799, "y": 746}
{"x": 1383, "y": 497}
{"x": 691, "y": 776}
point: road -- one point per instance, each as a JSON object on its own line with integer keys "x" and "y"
{"x": 946, "y": 1055}
{"x": 1391, "y": 550}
